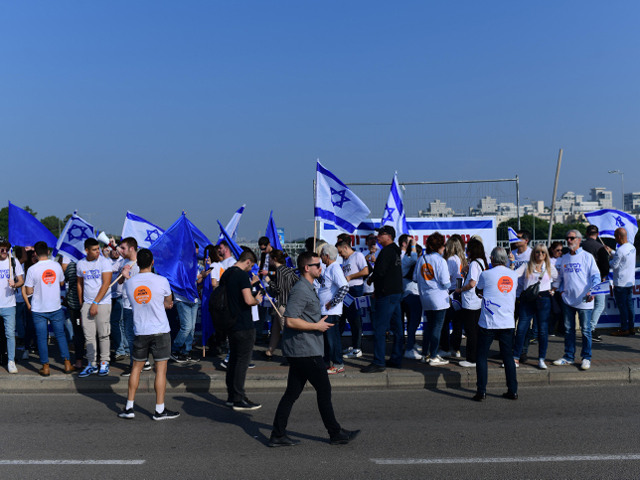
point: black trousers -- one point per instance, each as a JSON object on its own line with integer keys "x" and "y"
{"x": 78, "y": 333}
{"x": 302, "y": 369}
{"x": 240, "y": 351}
{"x": 471, "y": 328}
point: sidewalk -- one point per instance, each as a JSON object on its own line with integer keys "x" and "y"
{"x": 614, "y": 361}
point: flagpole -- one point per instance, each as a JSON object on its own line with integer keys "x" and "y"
{"x": 120, "y": 276}
{"x": 315, "y": 223}
{"x": 553, "y": 199}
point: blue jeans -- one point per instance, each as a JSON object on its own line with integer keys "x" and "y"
{"x": 570, "y": 332}
{"x": 117, "y": 344}
{"x": 8, "y": 314}
{"x": 127, "y": 317}
{"x": 505, "y": 339}
{"x": 388, "y": 316}
{"x": 21, "y": 319}
{"x": 352, "y": 315}
{"x": 624, "y": 301}
{"x": 415, "y": 318}
{"x": 333, "y": 342}
{"x": 541, "y": 309}
{"x": 431, "y": 334}
{"x": 57, "y": 320}
{"x": 187, "y": 313}
{"x": 598, "y": 307}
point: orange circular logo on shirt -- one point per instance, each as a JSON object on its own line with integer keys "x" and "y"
{"x": 505, "y": 284}
{"x": 49, "y": 277}
{"x": 142, "y": 295}
{"x": 427, "y": 271}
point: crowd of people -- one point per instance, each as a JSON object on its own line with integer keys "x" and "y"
{"x": 112, "y": 305}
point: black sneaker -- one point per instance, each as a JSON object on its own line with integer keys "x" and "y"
{"x": 344, "y": 437}
{"x": 282, "y": 441}
{"x": 166, "y": 415}
{"x": 252, "y": 365}
{"x": 127, "y": 413}
{"x": 523, "y": 358}
{"x": 373, "y": 368}
{"x": 178, "y": 358}
{"x": 126, "y": 372}
{"x": 192, "y": 358}
{"x": 246, "y": 405}
{"x": 147, "y": 366}
{"x": 596, "y": 338}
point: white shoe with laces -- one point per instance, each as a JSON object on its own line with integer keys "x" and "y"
{"x": 11, "y": 367}
{"x": 541, "y": 364}
{"x": 438, "y": 360}
{"x": 586, "y": 365}
{"x": 466, "y": 364}
{"x": 353, "y": 353}
{"x": 412, "y": 355}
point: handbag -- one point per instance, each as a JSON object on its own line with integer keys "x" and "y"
{"x": 531, "y": 293}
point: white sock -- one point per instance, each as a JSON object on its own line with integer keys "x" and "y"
{"x": 159, "y": 407}
{"x": 129, "y": 404}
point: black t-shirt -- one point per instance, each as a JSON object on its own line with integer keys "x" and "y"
{"x": 237, "y": 280}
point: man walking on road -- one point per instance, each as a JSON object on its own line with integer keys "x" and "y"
{"x": 150, "y": 295}
{"x": 303, "y": 346}
{"x": 623, "y": 265}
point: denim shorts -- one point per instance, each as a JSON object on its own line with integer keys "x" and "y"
{"x": 159, "y": 345}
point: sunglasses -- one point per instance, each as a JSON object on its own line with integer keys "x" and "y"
{"x": 313, "y": 264}
{"x": 3, "y": 250}
{"x": 570, "y": 239}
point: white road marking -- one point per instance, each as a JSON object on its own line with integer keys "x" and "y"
{"x": 71, "y": 462}
{"x": 559, "y": 458}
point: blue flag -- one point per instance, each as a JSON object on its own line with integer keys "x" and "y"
{"x": 25, "y": 229}
{"x": 174, "y": 254}
{"x": 236, "y": 250}
{"x": 200, "y": 238}
{"x": 71, "y": 241}
{"x": 207, "y": 322}
{"x": 272, "y": 233}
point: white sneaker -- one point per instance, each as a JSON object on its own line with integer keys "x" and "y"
{"x": 412, "y": 355}
{"x": 347, "y": 350}
{"x": 438, "y": 361}
{"x": 11, "y": 366}
{"x": 466, "y": 364}
{"x": 586, "y": 365}
{"x": 517, "y": 362}
{"x": 442, "y": 353}
{"x": 563, "y": 361}
{"x": 25, "y": 354}
{"x": 541, "y": 364}
{"x": 353, "y": 353}
{"x": 454, "y": 354}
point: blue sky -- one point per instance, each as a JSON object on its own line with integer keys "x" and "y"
{"x": 159, "y": 106}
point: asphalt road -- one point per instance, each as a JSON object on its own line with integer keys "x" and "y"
{"x": 550, "y": 432}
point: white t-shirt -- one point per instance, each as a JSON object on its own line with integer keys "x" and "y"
{"x": 135, "y": 269}
{"x": 578, "y": 273}
{"x": 470, "y": 300}
{"x": 116, "y": 265}
{"x": 148, "y": 290}
{"x": 623, "y": 265}
{"x": 455, "y": 266}
{"x": 408, "y": 285}
{"x": 216, "y": 270}
{"x": 45, "y": 277}
{"x": 228, "y": 262}
{"x": 498, "y": 287}
{"x": 92, "y": 272}
{"x": 330, "y": 282}
{"x": 520, "y": 258}
{"x": 432, "y": 276}
{"x": 8, "y": 294}
{"x": 367, "y": 289}
{"x": 354, "y": 264}
{"x": 545, "y": 281}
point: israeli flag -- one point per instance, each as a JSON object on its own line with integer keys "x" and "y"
{"x": 394, "y": 214}
{"x": 348, "y": 300}
{"x": 513, "y": 236}
{"x": 608, "y": 220}
{"x": 71, "y": 241}
{"x": 601, "y": 289}
{"x": 363, "y": 302}
{"x": 232, "y": 226}
{"x": 142, "y": 230}
{"x": 272, "y": 233}
{"x": 336, "y": 204}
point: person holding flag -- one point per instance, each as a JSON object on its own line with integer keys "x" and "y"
{"x": 11, "y": 277}
{"x": 623, "y": 264}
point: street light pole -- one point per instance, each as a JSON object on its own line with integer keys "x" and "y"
{"x": 622, "y": 182}
{"x": 533, "y": 215}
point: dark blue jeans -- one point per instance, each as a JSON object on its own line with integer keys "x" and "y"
{"x": 624, "y": 301}
{"x": 388, "y": 316}
{"x": 431, "y": 334}
{"x": 333, "y": 342}
{"x": 414, "y": 306}
{"x": 351, "y": 314}
{"x": 116, "y": 333}
{"x": 541, "y": 309}
{"x": 505, "y": 339}
{"x": 57, "y": 320}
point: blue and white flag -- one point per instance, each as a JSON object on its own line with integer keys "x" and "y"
{"x": 609, "y": 220}
{"x": 348, "y": 300}
{"x": 142, "y": 230}
{"x": 232, "y": 226}
{"x": 272, "y": 233}
{"x": 513, "y": 236}
{"x": 71, "y": 241}
{"x": 363, "y": 302}
{"x": 336, "y": 204}
{"x": 174, "y": 256}
{"x": 394, "y": 214}
{"x": 25, "y": 229}
{"x": 601, "y": 289}
{"x": 236, "y": 250}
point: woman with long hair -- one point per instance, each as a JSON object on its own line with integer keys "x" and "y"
{"x": 537, "y": 270}
{"x": 457, "y": 263}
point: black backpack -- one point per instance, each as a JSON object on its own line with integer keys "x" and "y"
{"x": 222, "y": 317}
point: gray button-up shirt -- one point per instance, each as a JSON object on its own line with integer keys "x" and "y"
{"x": 303, "y": 303}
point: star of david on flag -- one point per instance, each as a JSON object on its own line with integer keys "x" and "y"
{"x": 608, "y": 220}
{"x": 71, "y": 241}
{"x": 336, "y": 204}
{"x": 142, "y": 230}
{"x": 394, "y": 214}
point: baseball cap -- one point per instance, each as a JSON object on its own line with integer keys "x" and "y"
{"x": 387, "y": 229}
